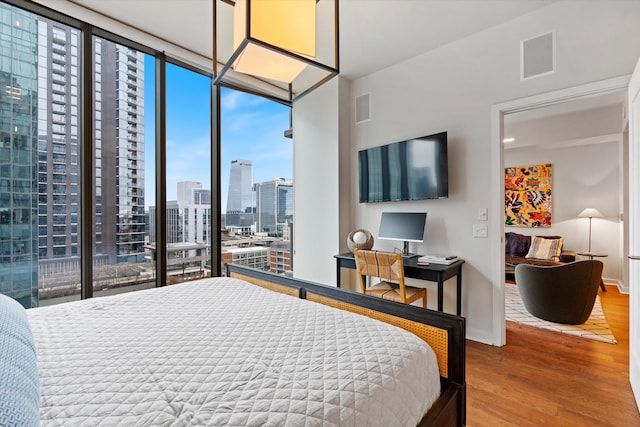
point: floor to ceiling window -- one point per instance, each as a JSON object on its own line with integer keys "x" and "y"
{"x": 39, "y": 155}
{"x": 188, "y": 177}
{"x": 46, "y": 166}
{"x": 19, "y": 202}
{"x": 256, "y": 182}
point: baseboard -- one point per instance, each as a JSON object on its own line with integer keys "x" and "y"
{"x": 621, "y": 287}
{"x": 479, "y": 336}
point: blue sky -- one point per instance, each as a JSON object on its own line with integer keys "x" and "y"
{"x": 252, "y": 129}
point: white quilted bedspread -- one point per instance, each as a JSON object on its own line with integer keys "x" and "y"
{"x": 224, "y": 352}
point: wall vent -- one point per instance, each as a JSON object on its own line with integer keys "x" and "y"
{"x": 538, "y": 56}
{"x": 363, "y": 108}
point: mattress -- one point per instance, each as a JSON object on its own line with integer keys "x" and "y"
{"x": 221, "y": 351}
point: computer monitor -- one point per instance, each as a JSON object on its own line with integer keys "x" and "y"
{"x": 403, "y": 226}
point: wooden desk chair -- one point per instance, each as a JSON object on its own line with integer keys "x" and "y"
{"x": 390, "y": 269}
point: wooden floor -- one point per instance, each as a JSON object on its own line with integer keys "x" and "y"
{"x": 544, "y": 378}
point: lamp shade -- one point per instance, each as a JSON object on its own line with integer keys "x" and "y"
{"x": 280, "y": 49}
{"x": 590, "y": 213}
{"x": 288, "y": 25}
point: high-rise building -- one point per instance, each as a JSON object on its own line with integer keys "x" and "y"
{"x": 119, "y": 116}
{"x": 189, "y": 217}
{"x": 39, "y": 153}
{"x": 119, "y": 139}
{"x": 274, "y": 206}
{"x": 58, "y": 155}
{"x": 240, "y": 195}
{"x": 241, "y": 198}
{"x": 18, "y": 155}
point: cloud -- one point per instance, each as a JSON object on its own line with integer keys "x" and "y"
{"x": 230, "y": 100}
{"x": 234, "y": 99}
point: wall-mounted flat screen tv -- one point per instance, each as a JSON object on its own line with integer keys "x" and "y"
{"x": 415, "y": 169}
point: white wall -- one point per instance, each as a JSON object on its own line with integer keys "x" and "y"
{"x": 453, "y": 88}
{"x": 321, "y": 213}
{"x": 583, "y": 176}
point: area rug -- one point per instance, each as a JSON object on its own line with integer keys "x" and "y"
{"x": 595, "y": 328}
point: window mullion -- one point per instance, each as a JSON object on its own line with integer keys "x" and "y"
{"x": 87, "y": 164}
{"x": 161, "y": 171}
{"x": 216, "y": 209}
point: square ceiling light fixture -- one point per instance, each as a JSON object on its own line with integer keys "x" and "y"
{"x": 280, "y": 49}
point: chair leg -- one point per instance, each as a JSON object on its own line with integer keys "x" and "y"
{"x": 602, "y": 286}
{"x": 424, "y": 300}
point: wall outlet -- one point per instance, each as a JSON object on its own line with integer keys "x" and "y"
{"x": 479, "y": 230}
{"x": 483, "y": 214}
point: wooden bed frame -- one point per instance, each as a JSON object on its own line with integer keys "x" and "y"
{"x": 445, "y": 333}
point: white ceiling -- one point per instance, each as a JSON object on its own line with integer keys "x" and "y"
{"x": 596, "y": 119}
{"x": 374, "y": 34}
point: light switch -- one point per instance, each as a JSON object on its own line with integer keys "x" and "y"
{"x": 483, "y": 214}
{"x": 479, "y": 230}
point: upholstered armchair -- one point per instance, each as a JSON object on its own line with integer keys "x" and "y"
{"x": 560, "y": 293}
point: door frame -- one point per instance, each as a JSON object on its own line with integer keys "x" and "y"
{"x": 634, "y": 172}
{"x": 496, "y": 220}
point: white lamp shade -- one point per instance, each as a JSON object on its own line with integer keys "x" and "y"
{"x": 288, "y": 25}
{"x": 590, "y": 213}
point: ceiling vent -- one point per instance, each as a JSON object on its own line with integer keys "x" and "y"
{"x": 363, "y": 108}
{"x": 538, "y": 56}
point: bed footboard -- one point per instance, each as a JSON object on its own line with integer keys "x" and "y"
{"x": 445, "y": 333}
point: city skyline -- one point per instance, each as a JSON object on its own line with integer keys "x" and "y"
{"x": 41, "y": 142}
{"x": 253, "y": 184}
{"x": 252, "y": 128}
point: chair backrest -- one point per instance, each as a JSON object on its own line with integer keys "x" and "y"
{"x": 561, "y": 293}
{"x": 384, "y": 265}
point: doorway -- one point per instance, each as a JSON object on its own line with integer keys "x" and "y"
{"x": 533, "y": 109}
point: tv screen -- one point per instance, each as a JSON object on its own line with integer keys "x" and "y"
{"x": 415, "y": 169}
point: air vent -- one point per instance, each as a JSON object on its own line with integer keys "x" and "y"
{"x": 537, "y": 56}
{"x": 363, "y": 108}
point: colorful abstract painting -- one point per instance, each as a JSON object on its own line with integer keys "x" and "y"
{"x": 527, "y": 193}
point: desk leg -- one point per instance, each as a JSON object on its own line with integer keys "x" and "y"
{"x": 338, "y": 273}
{"x": 440, "y": 293}
{"x": 459, "y": 292}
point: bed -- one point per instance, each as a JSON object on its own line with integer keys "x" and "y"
{"x": 224, "y": 351}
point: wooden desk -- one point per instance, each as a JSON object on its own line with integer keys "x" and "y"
{"x": 432, "y": 272}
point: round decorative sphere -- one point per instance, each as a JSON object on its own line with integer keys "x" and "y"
{"x": 360, "y": 239}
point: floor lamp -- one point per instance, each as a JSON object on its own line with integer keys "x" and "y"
{"x": 590, "y": 213}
